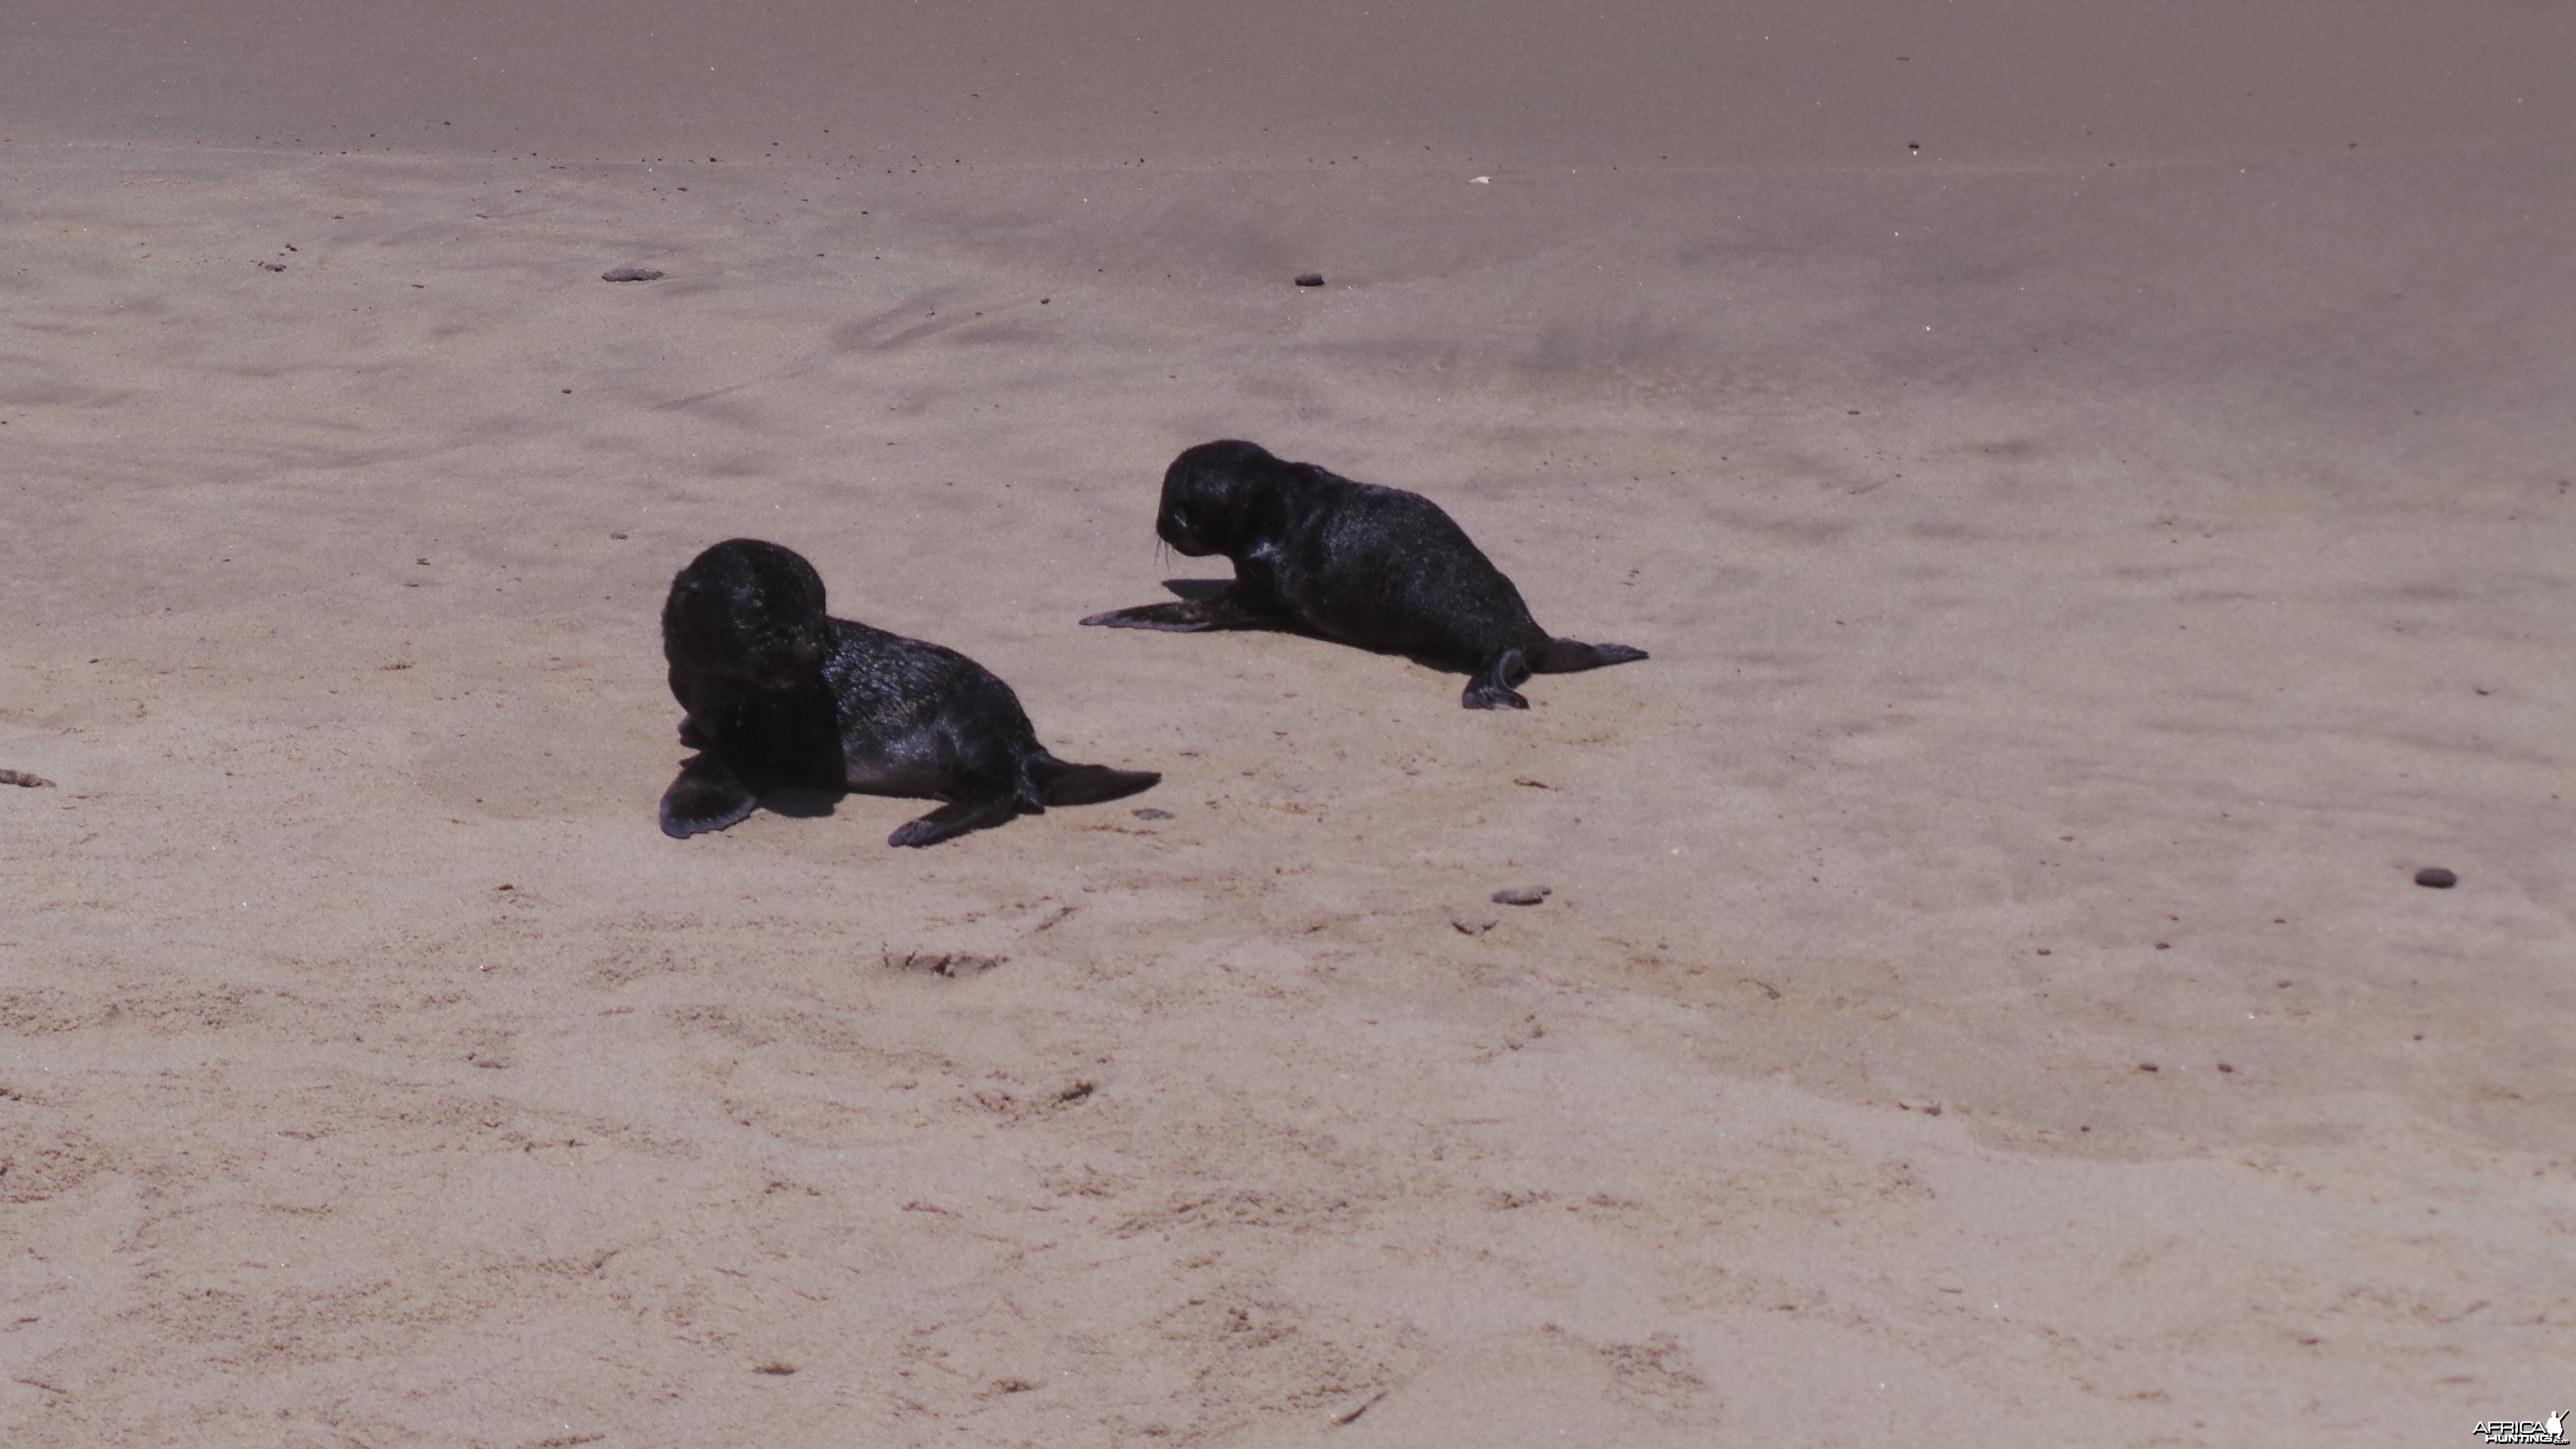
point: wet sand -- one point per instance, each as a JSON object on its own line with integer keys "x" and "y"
{"x": 2091, "y": 563}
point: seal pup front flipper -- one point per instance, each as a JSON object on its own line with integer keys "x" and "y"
{"x": 706, "y": 796}
{"x": 1233, "y": 607}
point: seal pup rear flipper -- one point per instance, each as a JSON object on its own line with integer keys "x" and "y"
{"x": 1496, "y": 681}
{"x": 706, "y": 796}
{"x": 955, "y": 819}
{"x": 1060, "y": 782}
{"x": 1054, "y": 781}
{"x": 1492, "y": 684}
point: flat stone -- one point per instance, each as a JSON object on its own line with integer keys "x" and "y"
{"x": 630, "y": 274}
{"x": 1522, "y": 896}
{"x": 2436, "y": 877}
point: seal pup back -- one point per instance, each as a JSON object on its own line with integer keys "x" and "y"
{"x": 1381, "y": 568}
{"x": 779, "y": 694}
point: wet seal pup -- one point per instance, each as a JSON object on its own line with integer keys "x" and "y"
{"x": 1378, "y": 567}
{"x": 781, "y": 695}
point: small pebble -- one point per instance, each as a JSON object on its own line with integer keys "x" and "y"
{"x": 2436, "y": 877}
{"x": 1310, "y": 279}
{"x": 1522, "y": 896}
{"x": 272, "y": 266}
{"x": 1150, "y": 813}
{"x": 2146, "y": 1066}
{"x": 2224, "y": 1067}
{"x": 617, "y": 535}
{"x": 24, "y": 779}
{"x": 630, "y": 274}
{"x": 1474, "y": 928}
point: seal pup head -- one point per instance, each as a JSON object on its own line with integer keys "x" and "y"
{"x": 1207, "y": 491}
{"x": 749, "y": 611}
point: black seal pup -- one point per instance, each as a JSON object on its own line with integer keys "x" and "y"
{"x": 1378, "y": 567}
{"x": 781, "y": 695}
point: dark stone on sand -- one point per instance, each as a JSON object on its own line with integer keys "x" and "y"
{"x": 1150, "y": 813}
{"x": 1310, "y": 279}
{"x": 1522, "y": 896}
{"x": 2436, "y": 877}
{"x": 630, "y": 274}
{"x": 272, "y": 266}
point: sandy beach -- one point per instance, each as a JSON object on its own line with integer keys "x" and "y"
{"x": 2100, "y": 496}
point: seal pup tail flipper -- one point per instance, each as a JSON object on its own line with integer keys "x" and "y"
{"x": 706, "y": 796}
{"x": 1491, "y": 686}
{"x": 1059, "y": 782}
{"x": 1573, "y": 656}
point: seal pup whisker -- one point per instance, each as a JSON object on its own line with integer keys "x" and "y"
{"x": 1381, "y": 568}
{"x": 782, "y": 697}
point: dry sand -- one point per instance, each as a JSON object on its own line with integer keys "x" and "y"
{"x": 2091, "y": 561}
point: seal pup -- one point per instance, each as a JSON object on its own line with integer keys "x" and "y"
{"x": 781, "y": 695}
{"x": 1378, "y": 567}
